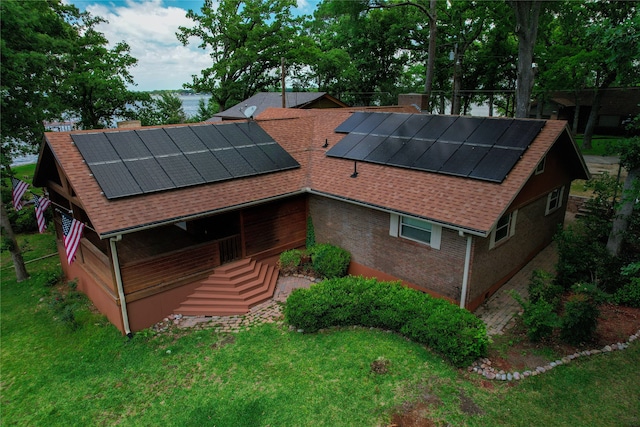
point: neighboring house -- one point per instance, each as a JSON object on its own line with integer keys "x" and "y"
{"x": 263, "y": 100}
{"x": 617, "y": 107}
{"x": 453, "y": 206}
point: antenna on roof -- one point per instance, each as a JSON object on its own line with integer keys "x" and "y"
{"x": 249, "y": 111}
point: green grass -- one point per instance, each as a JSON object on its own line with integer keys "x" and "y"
{"x": 599, "y": 144}
{"x": 52, "y": 375}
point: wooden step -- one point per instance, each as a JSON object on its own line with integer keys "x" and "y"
{"x": 231, "y": 289}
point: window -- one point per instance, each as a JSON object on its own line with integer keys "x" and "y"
{"x": 415, "y": 229}
{"x": 505, "y": 228}
{"x": 554, "y": 200}
{"x": 541, "y": 165}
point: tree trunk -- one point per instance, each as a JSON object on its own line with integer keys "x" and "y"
{"x": 491, "y": 105}
{"x": 14, "y": 249}
{"x": 576, "y": 119}
{"x": 527, "y": 13}
{"x": 457, "y": 85}
{"x": 431, "y": 59}
{"x": 620, "y": 221}
{"x": 595, "y": 108}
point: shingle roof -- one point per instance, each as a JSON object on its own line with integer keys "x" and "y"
{"x": 459, "y": 202}
{"x": 264, "y": 100}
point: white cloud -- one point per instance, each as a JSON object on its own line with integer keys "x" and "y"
{"x": 150, "y": 28}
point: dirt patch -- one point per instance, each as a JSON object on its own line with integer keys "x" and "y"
{"x": 615, "y": 324}
{"x": 415, "y": 414}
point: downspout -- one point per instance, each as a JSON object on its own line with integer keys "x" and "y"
{"x": 116, "y": 267}
{"x": 465, "y": 275}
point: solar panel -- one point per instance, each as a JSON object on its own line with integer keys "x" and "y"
{"x": 496, "y": 164}
{"x": 180, "y": 170}
{"x": 489, "y": 131}
{"x": 480, "y": 148}
{"x": 128, "y": 145}
{"x": 95, "y": 147}
{"x": 390, "y": 124}
{"x": 412, "y": 125}
{"x": 211, "y": 137}
{"x": 279, "y": 156}
{"x": 130, "y": 162}
{"x": 436, "y": 127}
{"x": 365, "y": 147}
{"x": 234, "y": 135}
{"x": 115, "y": 180}
{"x": 208, "y": 166}
{"x": 345, "y": 144}
{"x": 234, "y": 162}
{"x": 352, "y": 122}
{"x": 258, "y": 160}
{"x": 185, "y": 139}
{"x": 409, "y": 152}
{"x": 435, "y": 156}
{"x": 371, "y": 122}
{"x": 464, "y": 160}
{"x": 149, "y": 175}
{"x": 461, "y": 129}
{"x": 158, "y": 142}
{"x": 520, "y": 134}
{"x": 386, "y": 151}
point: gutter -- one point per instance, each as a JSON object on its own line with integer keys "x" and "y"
{"x": 391, "y": 211}
{"x": 118, "y": 274}
{"x": 465, "y": 275}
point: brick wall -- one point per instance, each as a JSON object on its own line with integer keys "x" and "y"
{"x": 365, "y": 234}
{"x": 534, "y": 231}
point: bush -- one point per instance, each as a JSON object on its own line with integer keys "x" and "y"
{"x": 629, "y": 294}
{"x": 290, "y": 260}
{"x": 455, "y": 333}
{"x": 543, "y": 287}
{"x": 580, "y": 319}
{"x": 539, "y": 317}
{"x": 330, "y": 261}
{"x": 311, "y": 234}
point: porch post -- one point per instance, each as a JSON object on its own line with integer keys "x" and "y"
{"x": 116, "y": 268}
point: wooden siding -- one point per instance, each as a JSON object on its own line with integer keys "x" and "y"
{"x": 170, "y": 267}
{"x": 274, "y": 227}
{"x": 98, "y": 264}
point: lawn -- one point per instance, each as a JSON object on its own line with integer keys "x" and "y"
{"x": 268, "y": 375}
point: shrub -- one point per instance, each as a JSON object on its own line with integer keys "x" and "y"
{"x": 543, "y": 287}
{"x": 580, "y": 319}
{"x": 290, "y": 260}
{"x": 66, "y": 306}
{"x": 311, "y": 234}
{"x": 453, "y": 332}
{"x": 538, "y": 317}
{"x": 628, "y": 295}
{"x": 330, "y": 261}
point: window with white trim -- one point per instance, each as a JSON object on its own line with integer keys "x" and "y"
{"x": 554, "y": 200}
{"x": 505, "y": 228}
{"x": 415, "y": 229}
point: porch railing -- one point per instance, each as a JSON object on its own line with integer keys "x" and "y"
{"x": 230, "y": 248}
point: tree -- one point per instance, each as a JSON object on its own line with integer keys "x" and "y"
{"x": 94, "y": 85}
{"x": 527, "y": 13}
{"x": 165, "y": 110}
{"x": 9, "y": 241}
{"x": 246, "y": 40}
{"x": 613, "y": 35}
{"x": 630, "y": 160}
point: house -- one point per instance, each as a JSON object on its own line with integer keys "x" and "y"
{"x": 449, "y": 205}
{"x": 617, "y": 107}
{"x": 263, "y": 100}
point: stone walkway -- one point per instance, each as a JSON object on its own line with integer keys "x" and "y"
{"x": 497, "y": 312}
{"x": 500, "y": 309}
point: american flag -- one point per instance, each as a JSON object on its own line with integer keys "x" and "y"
{"x": 19, "y": 188}
{"x": 72, "y": 230}
{"x": 41, "y": 203}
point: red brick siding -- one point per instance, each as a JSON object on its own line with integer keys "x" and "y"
{"x": 365, "y": 234}
{"x": 533, "y": 232}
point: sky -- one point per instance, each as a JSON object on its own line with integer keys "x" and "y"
{"x": 149, "y": 27}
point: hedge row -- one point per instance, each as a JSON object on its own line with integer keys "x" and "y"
{"x": 447, "y": 329}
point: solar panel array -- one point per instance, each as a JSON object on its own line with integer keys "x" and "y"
{"x": 475, "y": 147}
{"x": 140, "y": 161}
